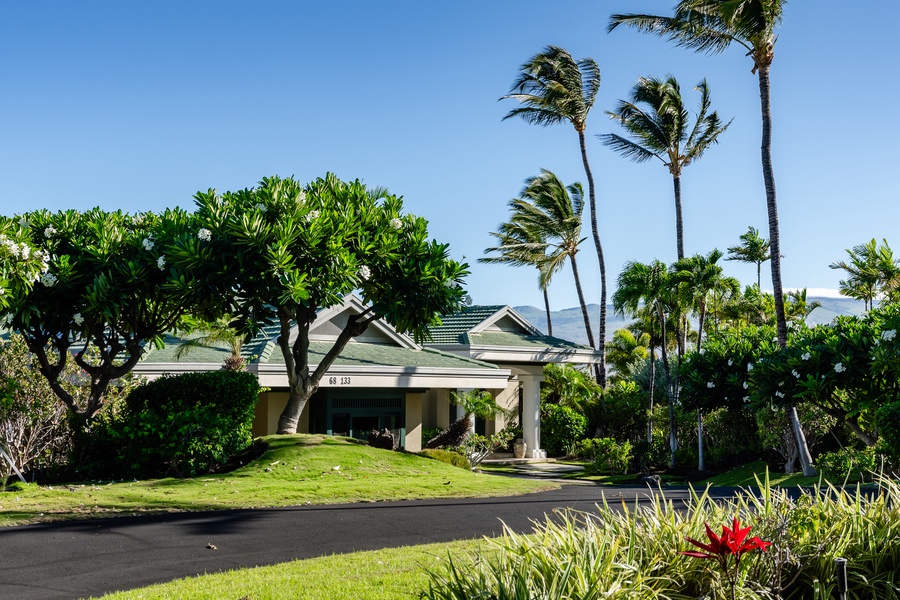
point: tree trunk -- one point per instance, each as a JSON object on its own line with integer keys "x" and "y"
{"x": 775, "y": 248}
{"x": 652, "y": 391}
{"x": 304, "y": 384}
{"x": 865, "y": 438}
{"x": 584, "y": 311}
{"x": 701, "y": 463}
{"x": 673, "y": 443}
{"x": 679, "y": 224}
{"x": 601, "y": 330}
{"x": 547, "y": 309}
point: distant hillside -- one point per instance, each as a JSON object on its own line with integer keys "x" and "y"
{"x": 568, "y": 324}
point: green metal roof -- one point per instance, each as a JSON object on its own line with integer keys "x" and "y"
{"x": 519, "y": 340}
{"x": 453, "y": 328}
{"x": 364, "y": 354}
{"x": 215, "y": 354}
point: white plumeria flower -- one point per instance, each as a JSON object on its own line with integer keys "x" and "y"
{"x": 23, "y": 223}
{"x": 749, "y": 367}
{"x": 746, "y": 398}
{"x": 779, "y": 394}
{"x": 839, "y": 368}
{"x": 795, "y": 373}
{"x": 301, "y": 196}
{"x": 311, "y": 215}
{"x": 78, "y": 319}
{"x": 2, "y": 292}
{"x": 204, "y": 234}
{"x": 805, "y": 356}
{"x": 48, "y": 279}
{"x": 746, "y": 385}
{"x": 889, "y": 334}
{"x": 396, "y": 223}
{"x": 138, "y": 219}
{"x": 730, "y": 362}
{"x": 702, "y": 351}
{"x": 365, "y": 273}
{"x": 161, "y": 263}
{"x": 49, "y": 231}
{"x": 261, "y": 207}
{"x": 710, "y": 384}
{"x": 148, "y": 243}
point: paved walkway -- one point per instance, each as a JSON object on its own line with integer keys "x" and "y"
{"x": 77, "y": 559}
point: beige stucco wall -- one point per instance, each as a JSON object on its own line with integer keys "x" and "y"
{"x": 268, "y": 409}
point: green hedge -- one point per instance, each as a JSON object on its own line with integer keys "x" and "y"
{"x": 186, "y": 424}
{"x": 561, "y": 427}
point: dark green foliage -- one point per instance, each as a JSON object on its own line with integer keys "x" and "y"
{"x": 848, "y": 465}
{"x": 429, "y": 433}
{"x": 448, "y": 456}
{"x": 182, "y": 425}
{"x": 451, "y": 437}
{"x": 625, "y": 417}
{"x": 608, "y": 455}
{"x": 887, "y": 418}
{"x": 561, "y": 427}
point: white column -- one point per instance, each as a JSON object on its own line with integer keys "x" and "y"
{"x": 413, "y": 422}
{"x": 531, "y": 415}
{"x": 461, "y": 412}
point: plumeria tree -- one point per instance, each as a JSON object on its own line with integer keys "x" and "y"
{"x": 845, "y": 368}
{"x": 282, "y": 251}
{"x": 108, "y": 287}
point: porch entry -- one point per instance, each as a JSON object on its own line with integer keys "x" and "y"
{"x": 354, "y": 413}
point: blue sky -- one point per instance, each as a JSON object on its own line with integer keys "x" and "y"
{"x": 137, "y": 106}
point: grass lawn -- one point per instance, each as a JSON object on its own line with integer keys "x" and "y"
{"x": 743, "y": 476}
{"x": 296, "y": 469}
{"x": 391, "y": 574}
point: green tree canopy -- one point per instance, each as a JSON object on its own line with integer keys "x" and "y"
{"x": 111, "y": 284}
{"x": 282, "y": 251}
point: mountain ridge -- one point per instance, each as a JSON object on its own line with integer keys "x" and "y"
{"x": 568, "y": 323}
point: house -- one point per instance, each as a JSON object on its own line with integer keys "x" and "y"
{"x": 383, "y": 379}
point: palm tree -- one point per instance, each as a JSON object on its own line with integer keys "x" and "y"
{"x": 712, "y": 26}
{"x": 649, "y": 284}
{"x": 626, "y": 351}
{"x": 872, "y": 270}
{"x": 663, "y": 131}
{"x": 753, "y": 249}
{"x": 520, "y": 246}
{"x": 215, "y": 334}
{"x": 552, "y": 212}
{"x": 554, "y": 88}
{"x": 697, "y": 278}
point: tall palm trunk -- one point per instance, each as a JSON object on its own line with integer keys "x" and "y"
{"x": 547, "y": 310}
{"x": 584, "y": 311}
{"x": 679, "y": 224}
{"x": 701, "y": 461}
{"x": 600, "y": 368}
{"x": 652, "y": 391}
{"x": 670, "y": 390}
{"x": 775, "y": 249}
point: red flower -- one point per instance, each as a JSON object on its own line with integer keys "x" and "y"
{"x": 732, "y": 542}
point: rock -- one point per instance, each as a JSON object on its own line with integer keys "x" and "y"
{"x": 651, "y": 480}
{"x": 383, "y": 439}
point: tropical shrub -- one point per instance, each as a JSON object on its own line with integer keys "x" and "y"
{"x": 887, "y": 418}
{"x": 184, "y": 425}
{"x": 611, "y": 456}
{"x": 849, "y": 465}
{"x": 450, "y": 457}
{"x": 561, "y": 427}
{"x": 636, "y": 553}
{"x": 625, "y": 411}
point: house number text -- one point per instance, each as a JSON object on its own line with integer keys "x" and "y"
{"x": 338, "y": 381}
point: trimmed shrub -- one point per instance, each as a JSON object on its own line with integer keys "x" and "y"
{"x": 610, "y": 456}
{"x": 448, "y": 456}
{"x": 561, "y": 427}
{"x": 186, "y": 424}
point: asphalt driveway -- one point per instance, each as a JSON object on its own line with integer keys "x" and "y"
{"x": 76, "y": 559}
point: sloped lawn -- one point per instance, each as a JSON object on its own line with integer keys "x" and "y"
{"x": 296, "y": 469}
